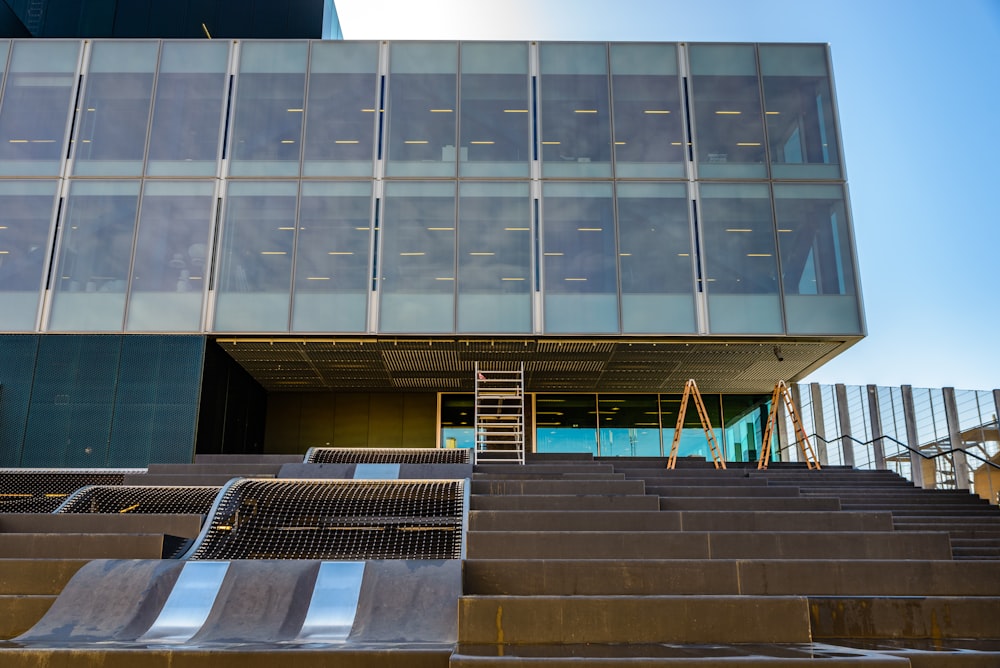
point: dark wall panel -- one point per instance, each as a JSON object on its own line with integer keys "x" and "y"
{"x": 233, "y": 411}
{"x": 17, "y": 365}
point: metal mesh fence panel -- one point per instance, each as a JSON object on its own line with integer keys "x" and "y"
{"x": 140, "y": 500}
{"x": 387, "y": 456}
{"x": 44, "y": 490}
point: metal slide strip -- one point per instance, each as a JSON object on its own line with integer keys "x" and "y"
{"x": 376, "y": 472}
{"x": 189, "y": 603}
{"x": 334, "y": 602}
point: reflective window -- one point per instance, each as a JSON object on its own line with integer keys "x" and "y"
{"x": 628, "y": 425}
{"x": 741, "y": 270}
{"x": 655, "y": 258}
{"x": 798, "y": 109}
{"x": 342, "y": 109}
{"x": 332, "y": 273}
{"x": 422, "y": 105}
{"x": 817, "y": 266}
{"x": 255, "y": 267}
{"x": 458, "y": 412}
{"x": 26, "y": 209}
{"x": 566, "y": 423}
{"x": 95, "y": 251}
{"x": 692, "y": 441}
{"x": 4, "y": 51}
{"x": 270, "y": 104}
{"x": 169, "y": 273}
{"x": 495, "y": 110}
{"x": 35, "y": 108}
{"x": 494, "y": 257}
{"x": 746, "y": 418}
{"x": 649, "y": 123}
{"x": 417, "y": 267}
{"x": 188, "y": 109}
{"x": 578, "y": 259}
{"x": 112, "y": 121}
{"x": 575, "y": 123}
{"x": 729, "y": 131}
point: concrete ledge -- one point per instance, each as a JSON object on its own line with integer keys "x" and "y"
{"x": 564, "y": 502}
{"x": 185, "y": 526}
{"x": 911, "y": 617}
{"x": 737, "y": 503}
{"x": 18, "y": 613}
{"x": 829, "y": 545}
{"x": 632, "y": 619}
{"x": 587, "y": 544}
{"x": 80, "y": 546}
{"x": 560, "y": 520}
{"x": 706, "y": 491}
{"x": 348, "y": 471}
{"x": 558, "y": 487}
{"x": 168, "y": 479}
{"x": 37, "y": 576}
{"x": 735, "y": 520}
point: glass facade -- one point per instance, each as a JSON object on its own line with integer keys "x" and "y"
{"x": 423, "y": 188}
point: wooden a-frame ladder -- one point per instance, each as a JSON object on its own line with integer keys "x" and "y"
{"x": 691, "y": 390}
{"x": 805, "y": 448}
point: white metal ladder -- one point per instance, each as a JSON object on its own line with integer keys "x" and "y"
{"x": 499, "y": 415}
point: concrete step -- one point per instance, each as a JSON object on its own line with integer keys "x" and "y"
{"x": 564, "y": 502}
{"x": 546, "y": 487}
{"x": 37, "y": 576}
{"x": 547, "y": 468}
{"x": 690, "y": 520}
{"x": 563, "y": 577}
{"x": 232, "y": 469}
{"x": 235, "y": 656}
{"x": 750, "y": 503}
{"x": 19, "y": 612}
{"x": 631, "y": 619}
{"x": 706, "y": 545}
{"x": 169, "y": 479}
{"x": 756, "y": 491}
{"x": 692, "y": 481}
{"x": 80, "y": 546}
{"x": 185, "y": 526}
{"x": 548, "y": 476}
{"x": 909, "y": 617}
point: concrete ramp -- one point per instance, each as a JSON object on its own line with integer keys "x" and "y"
{"x": 194, "y": 604}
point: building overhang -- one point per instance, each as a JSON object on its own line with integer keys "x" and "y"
{"x": 564, "y": 364}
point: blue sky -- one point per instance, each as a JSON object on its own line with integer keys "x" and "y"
{"x": 918, "y": 88}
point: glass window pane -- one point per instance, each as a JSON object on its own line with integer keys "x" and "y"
{"x": 798, "y": 108}
{"x": 728, "y": 128}
{"x": 342, "y": 109}
{"x": 35, "y": 108}
{"x": 494, "y": 257}
{"x": 422, "y": 99}
{"x": 112, "y": 121}
{"x": 649, "y": 123}
{"x": 495, "y": 110}
{"x": 94, "y": 256}
{"x": 332, "y": 272}
{"x": 171, "y": 267}
{"x": 655, "y": 259}
{"x": 817, "y": 267}
{"x": 25, "y": 220}
{"x": 270, "y": 99}
{"x": 578, "y": 259}
{"x": 692, "y": 441}
{"x": 418, "y": 258}
{"x": 566, "y": 423}
{"x": 628, "y": 425}
{"x": 255, "y": 269}
{"x": 575, "y": 123}
{"x": 740, "y": 263}
{"x": 4, "y": 52}
{"x": 188, "y": 109}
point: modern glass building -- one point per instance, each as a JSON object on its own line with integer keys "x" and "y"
{"x": 261, "y": 246}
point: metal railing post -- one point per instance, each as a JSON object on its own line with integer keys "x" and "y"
{"x": 876, "y": 418}
{"x": 910, "y": 420}
{"x": 816, "y": 392}
{"x": 844, "y": 415}
{"x": 961, "y": 462}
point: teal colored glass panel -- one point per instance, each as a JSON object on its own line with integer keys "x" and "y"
{"x": 799, "y": 111}
{"x": 692, "y": 442}
{"x": 114, "y": 117}
{"x": 332, "y": 268}
{"x": 648, "y": 115}
{"x": 26, "y": 211}
{"x": 342, "y": 109}
{"x": 34, "y": 114}
{"x": 188, "y": 108}
{"x": 423, "y": 97}
{"x": 270, "y": 102}
{"x": 495, "y": 111}
{"x": 655, "y": 258}
{"x": 171, "y": 266}
{"x": 575, "y": 110}
{"x": 628, "y": 425}
{"x": 741, "y": 269}
{"x": 417, "y": 265}
{"x": 95, "y": 251}
{"x": 728, "y": 125}
{"x": 494, "y": 258}
{"x": 255, "y": 268}
{"x": 566, "y": 423}
{"x": 579, "y": 267}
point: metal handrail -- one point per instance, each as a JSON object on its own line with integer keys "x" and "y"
{"x": 900, "y": 444}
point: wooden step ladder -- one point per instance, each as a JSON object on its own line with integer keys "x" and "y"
{"x": 691, "y": 390}
{"x": 499, "y": 414}
{"x": 781, "y": 393}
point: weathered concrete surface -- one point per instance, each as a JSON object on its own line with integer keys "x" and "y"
{"x": 408, "y": 602}
{"x": 37, "y": 576}
{"x": 80, "y": 546}
{"x": 19, "y": 612}
{"x": 910, "y": 617}
{"x": 186, "y": 526}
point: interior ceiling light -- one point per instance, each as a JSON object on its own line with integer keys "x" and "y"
{"x": 728, "y": 113}
{"x": 346, "y": 141}
{"x": 738, "y": 229}
{"x": 781, "y": 230}
{"x": 482, "y": 143}
{"x": 656, "y": 111}
{"x": 551, "y": 143}
{"x": 748, "y": 143}
{"x": 585, "y": 111}
{"x": 287, "y": 141}
{"x": 341, "y": 253}
{"x": 442, "y": 111}
{"x": 515, "y": 111}
{"x": 590, "y": 229}
{"x": 416, "y": 141}
{"x": 772, "y": 113}
{"x": 517, "y": 229}
{"x": 758, "y": 255}
{"x": 412, "y": 254}
{"x": 296, "y": 110}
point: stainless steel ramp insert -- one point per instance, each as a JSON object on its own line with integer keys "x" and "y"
{"x": 334, "y": 602}
{"x": 376, "y": 472}
{"x": 189, "y": 603}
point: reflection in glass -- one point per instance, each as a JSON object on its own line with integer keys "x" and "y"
{"x": 25, "y": 219}
{"x": 94, "y": 255}
{"x": 332, "y": 276}
{"x": 270, "y": 99}
{"x": 655, "y": 258}
{"x": 566, "y": 423}
{"x": 629, "y": 425}
{"x": 169, "y": 273}
{"x": 746, "y": 418}
{"x": 188, "y": 109}
{"x": 578, "y": 259}
{"x": 816, "y": 259}
{"x": 112, "y": 121}
{"x": 418, "y": 258}
{"x": 729, "y": 130}
{"x": 575, "y": 123}
{"x": 798, "y": 106}
{"x": 422, "y": 106}
{"x": 255, "y": 268}
{"x": 495, "y": 110}
{"x": 740, "y": 259}
{"x": 342, "y": 109}
{"x": 494, "y": 258}
{"x": 35, "y": 108}
{"x": 649, "y": 124}
{"x": 458, "y": 412}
